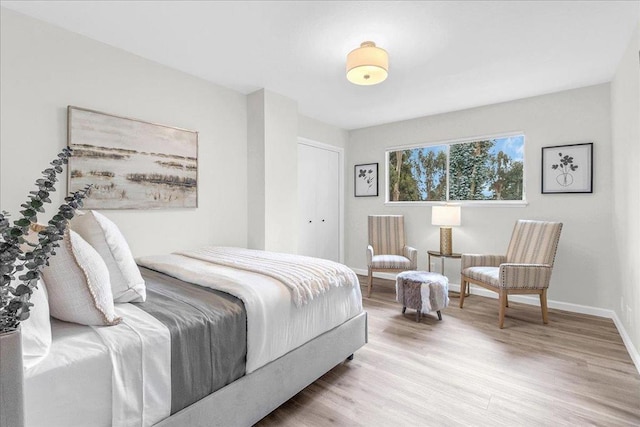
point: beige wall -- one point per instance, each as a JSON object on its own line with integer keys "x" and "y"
{"x": 583, "y": 274}
{"x": 43, "y": 69}
{"x": 625, "y": 127}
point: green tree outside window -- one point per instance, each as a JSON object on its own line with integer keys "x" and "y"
{"x": 487, "y": 169}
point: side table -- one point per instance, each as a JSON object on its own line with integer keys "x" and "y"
{"x": 442, "y": 257}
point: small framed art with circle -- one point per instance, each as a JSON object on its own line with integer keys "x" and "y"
{"x": 567, "y": 168}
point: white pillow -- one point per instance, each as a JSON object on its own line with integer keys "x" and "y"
{"x": 127, "y": 283}
{"x": 78, "y": 284}
{"x": 36, "y": 330}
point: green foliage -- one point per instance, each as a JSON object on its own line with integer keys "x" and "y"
{"x": 476, "y": 172}
{"x": 402, "y": 182}
{"x": 506, "y": 178}
{"x": 19, "y": 270}
{"x": 469, "y": 171}
{"x": 434, "y": 169}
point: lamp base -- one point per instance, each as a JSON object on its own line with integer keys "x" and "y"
{"x": 446, "y": 243}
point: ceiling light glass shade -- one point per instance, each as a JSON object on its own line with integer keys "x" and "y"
{"x": 367, "y": 65}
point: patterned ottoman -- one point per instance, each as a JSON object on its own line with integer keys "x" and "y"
{"x": 422, "y": 291}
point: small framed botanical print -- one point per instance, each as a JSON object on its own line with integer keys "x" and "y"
{"x": 366, "y": 180}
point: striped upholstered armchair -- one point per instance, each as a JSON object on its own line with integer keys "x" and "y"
{"x": 387, "y": 250}
{"x": 526, "y": 269}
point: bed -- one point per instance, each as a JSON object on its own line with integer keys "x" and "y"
{"x": 260, "y": 340}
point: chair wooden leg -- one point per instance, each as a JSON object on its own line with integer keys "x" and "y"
{"x": 463, "y": 290}
{"x": 503, "y": 307}
{"x": 543, "y": 306}
{"x": 370, "y": 283}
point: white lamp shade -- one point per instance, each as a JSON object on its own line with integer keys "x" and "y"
{"x": 445, "y": 215}
{"x": 367, "y": 65}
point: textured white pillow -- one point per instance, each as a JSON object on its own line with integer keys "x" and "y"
{"x": 36, "y": 330}
{"x": 78, "y": 284}
{"x": 127, "y": 283}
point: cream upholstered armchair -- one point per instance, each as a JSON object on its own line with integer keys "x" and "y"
{"x": 387, "y": 250}
{"x": 526, "y": 269}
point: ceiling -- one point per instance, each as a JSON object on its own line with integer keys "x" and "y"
{"x": 444, "y": 56}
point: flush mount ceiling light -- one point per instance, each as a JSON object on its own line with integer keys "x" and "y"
{"x": 367, "y": 65}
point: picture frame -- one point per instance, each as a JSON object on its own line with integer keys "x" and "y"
{"x": 365, "y": 178}
{"x": 567, "y": 169}
{"x": 130, "y": 163}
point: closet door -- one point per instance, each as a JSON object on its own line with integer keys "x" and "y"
{"x": 307, "y": 200}
{"x": 327, "y": 206}
{"x": 319, "y": 202}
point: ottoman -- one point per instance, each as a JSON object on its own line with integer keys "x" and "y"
{"x": 422, "y": 291}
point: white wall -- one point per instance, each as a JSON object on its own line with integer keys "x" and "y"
{"x": 273, "y": 158}
{"x": 625, "y": 130}
{"x": 318, "y": 131}
{"x": 255, "y": 170}
{"x": 43, "y": 69}
{"x": 281, "y": 160}
{"x": 583, "y": 271}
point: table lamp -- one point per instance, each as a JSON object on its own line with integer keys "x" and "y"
{"x": 445, "y": 217}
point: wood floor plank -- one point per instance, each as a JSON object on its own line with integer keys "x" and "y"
{"x": 466, "y": 371}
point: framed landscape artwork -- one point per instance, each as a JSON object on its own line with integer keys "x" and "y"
{"x": 366, "y": 180}
{"x": 131, "y": 164}
{"x": 567, "y": 168}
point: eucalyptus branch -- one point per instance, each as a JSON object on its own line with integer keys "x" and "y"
{"x": 14, "y": 301}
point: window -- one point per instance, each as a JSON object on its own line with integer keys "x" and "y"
{"x": 482, "y": 169}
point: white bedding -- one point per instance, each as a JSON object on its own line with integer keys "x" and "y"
{"x": 102, "y": 376}
{"x": 73, "y": 383}
{"x": 140, "y": 352}
{"x": 98, "y": 374}
{"x": 306, "y": 277}
{"x": 275, "y": 325}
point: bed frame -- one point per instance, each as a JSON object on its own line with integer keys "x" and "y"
{"x": 247, "y": 400}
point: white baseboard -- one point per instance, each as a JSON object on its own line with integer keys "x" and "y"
{"x": 626, "y": 339}
{"x": 535, "y": 300}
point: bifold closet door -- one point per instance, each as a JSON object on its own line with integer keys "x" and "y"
{"x": 319, "y": 199}
{"x": 327, "y": 206}
{"x": 306, "y": 200}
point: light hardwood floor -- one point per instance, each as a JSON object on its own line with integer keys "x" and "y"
{"x": 466, "y": 371}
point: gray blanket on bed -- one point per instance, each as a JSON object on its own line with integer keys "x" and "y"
{"x": 208, "y": 335}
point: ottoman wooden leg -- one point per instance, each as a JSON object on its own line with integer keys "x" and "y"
{"x": 439, "y": 315}
{"x": 417, "y": 315}
{"x": 404, "y": 309}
